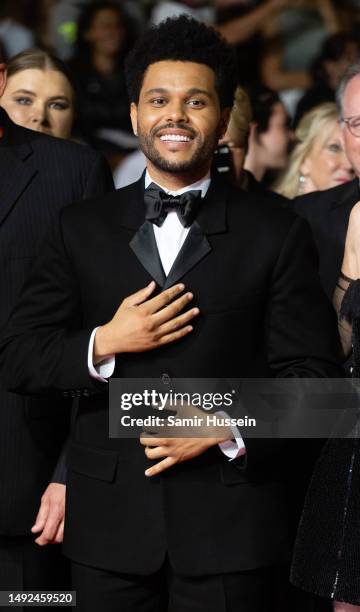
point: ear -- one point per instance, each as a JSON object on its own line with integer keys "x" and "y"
{"x": 305, "y": 166}
{"x": 2, "y": 78}
{"x": 133, "y": 117}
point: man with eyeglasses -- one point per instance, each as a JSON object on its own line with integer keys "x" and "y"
{"x": 328, "y": 211}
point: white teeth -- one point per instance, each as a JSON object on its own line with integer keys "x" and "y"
{"x": 175, "y": 137}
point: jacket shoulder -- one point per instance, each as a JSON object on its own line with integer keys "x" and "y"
{"x": 312, "y": 204}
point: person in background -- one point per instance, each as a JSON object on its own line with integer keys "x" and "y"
{"x": 328, "y": 211}
{"x": 237, "y": 134}
{"x": 338, "y": 52}
{"x": 38, "y": 175}
{"x": 269, "y": 134}
{"x": 103, "y": 39}
{"x": 16, "y": 26}
{"x": 236, "y": 27}
{"x": 318, "y": 160}
{"x": 39, "y": 94}
{"x": 294, "y": 37}
{"x": 327, "y": 551}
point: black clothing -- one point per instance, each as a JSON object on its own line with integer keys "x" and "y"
{"x": 328, "y": 214}
{"x": 102, "y": 102}
{"x": 260, "y": 590}
{"x": 38, "y": 175}
{"x": 327, "y": 552}
{"x": 235, "y": 524}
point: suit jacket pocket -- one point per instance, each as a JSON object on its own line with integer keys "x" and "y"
{"x": 93, "y": 462}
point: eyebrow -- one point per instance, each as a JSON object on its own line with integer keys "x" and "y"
{"x": 32, "y": 93}
{"x": 190, "y": 92}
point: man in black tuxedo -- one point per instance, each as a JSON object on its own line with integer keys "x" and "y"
{"x": 211, "y": 282}
{"x": 38, "y": 175}
{"x": 328, "y": 211}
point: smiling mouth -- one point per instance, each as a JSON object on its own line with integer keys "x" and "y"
{"x": 175, "y": 138}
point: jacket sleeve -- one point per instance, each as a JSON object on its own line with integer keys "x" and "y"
{"x": 99, "y": 179}
{"x": 43, "y": 348}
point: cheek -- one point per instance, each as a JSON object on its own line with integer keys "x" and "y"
{"x": 17, "y": 112}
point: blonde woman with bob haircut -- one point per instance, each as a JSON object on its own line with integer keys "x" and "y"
{"x": 318, "y": 160}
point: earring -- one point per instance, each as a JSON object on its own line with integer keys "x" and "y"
{"x": 302, "y": 184}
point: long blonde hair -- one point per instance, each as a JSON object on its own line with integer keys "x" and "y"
{"x": 314, "y": 124}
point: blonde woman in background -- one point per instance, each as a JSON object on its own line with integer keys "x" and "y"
{"x": 318, "y": 160}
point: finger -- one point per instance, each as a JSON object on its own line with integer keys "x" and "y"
{"x": 178, "y": 322}
{"x": 157, "y": 452}
{"x": 140, "y": 296}
{"x": 172, "y": 310}
{"x": 163, "y": 465}
{"x": 162, "y": 299}
{"x": 50, "y": 529}
{"x": 41, "y": 517}
{"x": 180, "y": 333}
{"x": 60, "y": 533}
{"x": 147, "y": 440}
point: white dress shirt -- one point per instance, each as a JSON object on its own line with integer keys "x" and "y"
{"x": 170, "y": 237}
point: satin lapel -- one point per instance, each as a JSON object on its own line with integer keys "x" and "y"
{"x": 144, "y": 246}
{"x": 194, "y": 249}
{"x": 16, "y": 172}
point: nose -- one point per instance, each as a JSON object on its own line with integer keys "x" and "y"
{"x": 39, "y": 115}
{"x": 176, "y": 111}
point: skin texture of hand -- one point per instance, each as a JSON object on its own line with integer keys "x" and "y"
{"x": 159, "y": 444}
{"x": 50, "y": 518}
{"x": 142, "y": 324}
{"x": 351, "y": 262}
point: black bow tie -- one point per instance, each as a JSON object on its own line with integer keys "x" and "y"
{"x": 158, "y": 204}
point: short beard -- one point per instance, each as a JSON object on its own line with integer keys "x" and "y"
{"x": 202, "y": 155}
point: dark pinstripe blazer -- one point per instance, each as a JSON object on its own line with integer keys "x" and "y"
{"x": 38, "y": 175}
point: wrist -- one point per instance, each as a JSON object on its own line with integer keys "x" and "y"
{"x": 102, "y": 344}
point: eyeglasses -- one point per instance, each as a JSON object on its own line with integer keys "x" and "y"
{"x": 353, "y": 125}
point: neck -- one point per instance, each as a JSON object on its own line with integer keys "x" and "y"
{"x": 175, "y": 181}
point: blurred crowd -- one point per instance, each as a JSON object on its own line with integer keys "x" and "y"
{"x": 283, "y": 135}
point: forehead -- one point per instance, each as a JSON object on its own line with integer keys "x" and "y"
{"x": 351, "y": 97}
{"x": 36, "y": 80}
{"x": 176, "y": 76}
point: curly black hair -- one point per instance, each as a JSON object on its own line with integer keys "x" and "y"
{"x": 186, "y": 40}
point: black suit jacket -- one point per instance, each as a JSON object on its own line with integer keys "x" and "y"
{"x": 328, "y": 215}
{"x": 38, "y": 175}
{"x": 251, "y": 268}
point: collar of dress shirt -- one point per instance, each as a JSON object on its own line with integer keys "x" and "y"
{"x": 203, "y": 184}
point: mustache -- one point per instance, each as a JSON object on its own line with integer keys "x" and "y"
{"x": 175, "y": 126}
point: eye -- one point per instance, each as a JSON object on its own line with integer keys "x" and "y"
{"x": 334, "y": 147}
{"x": 158, "y": 101}
{"x": 24, "y": 101}
{"x": 196, "y": 103}
{"x": 59, "y": 105}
